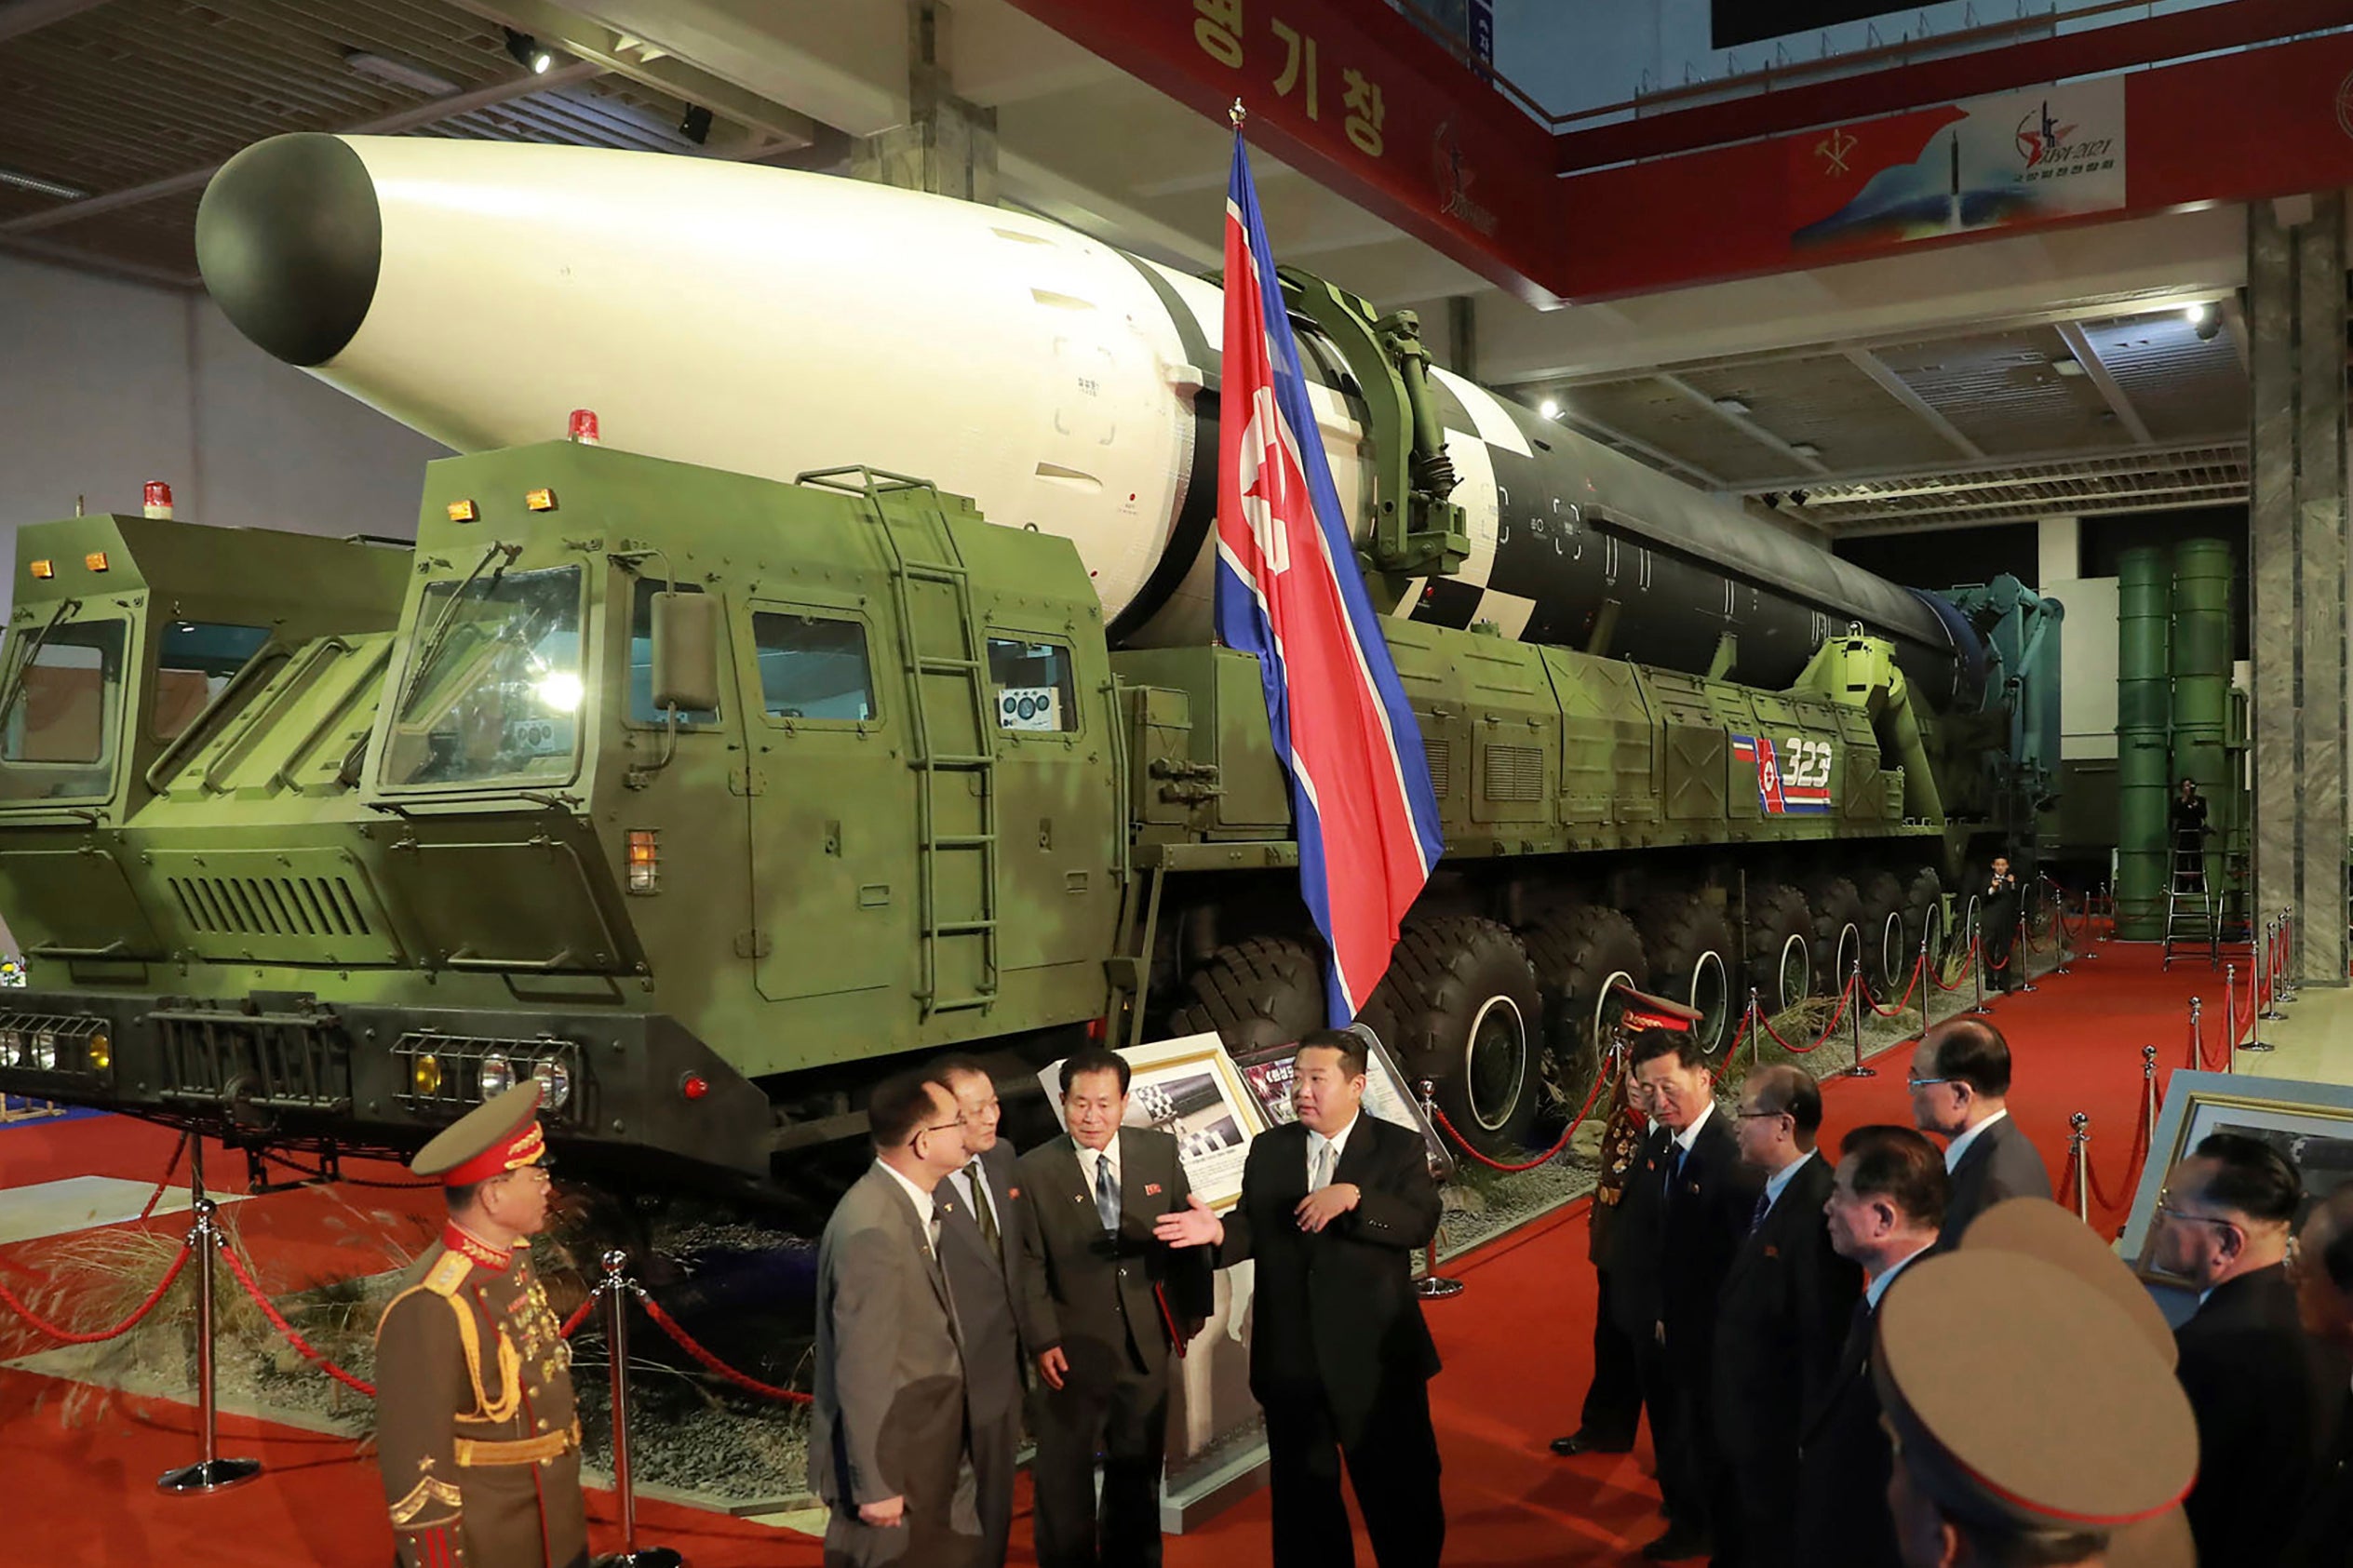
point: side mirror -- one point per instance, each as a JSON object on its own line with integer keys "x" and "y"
{"x": 686, "y": 651}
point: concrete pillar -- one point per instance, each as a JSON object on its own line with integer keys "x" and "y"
{"x": 1462, "y": 336}
{"x": 948, "y": 146}
{"x": 2296, "y": 320}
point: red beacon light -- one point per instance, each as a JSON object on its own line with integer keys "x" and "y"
{"x": 693, "y": 1086}
{"x": 156, "y": 500}
{"x": 583, "y": 427}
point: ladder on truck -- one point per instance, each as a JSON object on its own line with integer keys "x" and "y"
{"x": 2192, "y": 921}
{"x": 951, "y": 737}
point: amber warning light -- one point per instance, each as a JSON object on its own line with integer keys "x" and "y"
{"x": 464, "y": 512}
{"x": 95, "y": 561}
{"x": 43, "y": 569}
{"x": 540, "y": 500}
{"x": 645, "y": 861}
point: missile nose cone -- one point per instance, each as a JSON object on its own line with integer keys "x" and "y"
{"x": 290, "y": 239}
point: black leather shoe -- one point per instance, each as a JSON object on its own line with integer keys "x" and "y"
{"x": 1583, "y": 1442}
{"x": 1677, "y": 1545}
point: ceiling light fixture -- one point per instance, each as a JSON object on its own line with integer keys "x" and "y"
{"x": 399, "y": 73}
{"x": 41, "y": 187}
{"x": 1806, "y": 449}
{"x": 527, "y": 52}
{"x": 696, "y": 126}
{"x": 1549, "y": 409}
{"x": 1731, "y": 406}
{"x": 2067, "y": 367}
{"x": 2197, "y": 314}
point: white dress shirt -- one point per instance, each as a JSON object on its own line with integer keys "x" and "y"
{"x": 1959, "y": 1146}
{"x": 1089, "y": 1158}
{"x": 1315, "y": 1142}
{"x": 1778, "y": 1182}
{"x": 1878, "y": 1286}
{"x": 1690, "y": 1134}
{"x": 917, "y": 1196}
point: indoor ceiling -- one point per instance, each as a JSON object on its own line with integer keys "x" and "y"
{"x": 114, "y": 113}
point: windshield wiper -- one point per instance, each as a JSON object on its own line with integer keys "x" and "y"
{"x": 31, "y": 650}
{"x": 432, "y": 648}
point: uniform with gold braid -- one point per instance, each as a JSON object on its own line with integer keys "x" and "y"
{"x": 476, "y": 1430}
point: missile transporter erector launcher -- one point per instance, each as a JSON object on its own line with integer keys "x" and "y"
{"x": 708, "y": 794}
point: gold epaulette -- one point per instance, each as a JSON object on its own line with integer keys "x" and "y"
{"x": 448, "y": 1274}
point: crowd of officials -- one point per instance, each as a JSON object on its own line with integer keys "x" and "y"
{"x": 1906, "y": 1357}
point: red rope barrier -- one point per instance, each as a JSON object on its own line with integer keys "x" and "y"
{"x": 2141, "y": 1135}
{"x": 580, "y": 1316}
{"x": 712, "y": 1363}
{"x": 291, "y": 1336}
{"x": 1919, "y": 967}
{"x": 1592, "y": 1096}
{"x": 165, "y": 1180}
{"x": 1828, "y": 1029}
{"x": 1967, "y": 961}
{"x": 50, "y": 1330}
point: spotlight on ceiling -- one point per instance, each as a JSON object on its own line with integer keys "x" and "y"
{"x": 2200, "y": 314}
{"x": 2206, "y": 319}
{"x": 696, "y": 126}
{"x": 1549, "y": 409}
{"x": 528, "y": 53}
{"x": 1797, "y": 497}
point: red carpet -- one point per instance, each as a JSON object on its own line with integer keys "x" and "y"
{"x": 1514, "y": 1344}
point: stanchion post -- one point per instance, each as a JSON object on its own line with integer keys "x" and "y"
{"x": 2149, "y": 1086}
{"x": 1855, "y": 1004}
{"x": 1977, "y": 974}
{"x": 210, "y": 1474}
{"x": 2267, "y": 978}
{"x": 1755, "y": 1031}
{"x": 616, "y": 1287}
{"x": 2079, "y": 1152}
{"x": 2090, "y": 936}
{"x": 2198, "y": 1034}
{"x": 2283, "y": 979}
{"x": 1433, "y": 1286}
{"x": 2021, "y": 953}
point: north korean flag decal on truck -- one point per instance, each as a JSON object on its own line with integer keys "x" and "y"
{"x": 1794, "y": 782}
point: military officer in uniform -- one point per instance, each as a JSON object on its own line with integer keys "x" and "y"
{"x": 476, "y": 1432}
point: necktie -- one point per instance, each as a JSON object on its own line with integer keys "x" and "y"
{"x": 1106, "y": 1191}
{"x": 1321, "y": 1177}
{"x": 1674, "y": 1164}
{"x": 1756, "y": 1219}
{"x": 982, "y": 1211}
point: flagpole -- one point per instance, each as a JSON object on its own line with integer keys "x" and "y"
{"x": 1237, "y": 114}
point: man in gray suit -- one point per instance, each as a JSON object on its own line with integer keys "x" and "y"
{"x": 981, "y": 1246}
{"x": 1960, "y": 1089}
{"x": 887, "y": 1436}
{"x": 1103, "y": 1303}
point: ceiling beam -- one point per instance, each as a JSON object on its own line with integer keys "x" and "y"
{"x": 21, "y": 17}
{"x": 625, "y": 55}
{"x": 2060, "y": 461}
{"x": 2079, "y": 344}
{"x": 1743, "y": 423}
{"x": 1662, "y": 459}
{"x": 1903, "y": 391}
{"x": 2029, "y": 510}
{"x": 432, "y": 112}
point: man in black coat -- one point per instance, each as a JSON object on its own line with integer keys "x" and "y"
{"x": 2266, "y": 1396}
{"x": 1998, "y": 927}
{"x": 1783, "y": 1313}
{"x": 1885, "y": 1202}
{"x": 1613, "y": 1398}
{"x": 1960, "y": 1091}
{"x": 1687, "y": 1206}
{"x": 1103, "y": 1305}
{"x": 2320, "y": 1266}
{"x": 980, "y": 1246}
{"x": 1332, "y": 1208}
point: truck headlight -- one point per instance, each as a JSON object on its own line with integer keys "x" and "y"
{"x": 498, "y": 1075}
{"x": 44, "y": 1051}
{"x": 555, "y": 1082}
{"x": 11, "y": 1048}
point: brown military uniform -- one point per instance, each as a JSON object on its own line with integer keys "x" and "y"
{"x": 477, "y": 1431}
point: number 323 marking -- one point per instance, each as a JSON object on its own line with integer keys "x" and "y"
{"x": 1807, "y": 763}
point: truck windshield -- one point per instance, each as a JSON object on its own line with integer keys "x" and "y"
{"x": 497, "y": 694}
{"x": 58, "y": 737}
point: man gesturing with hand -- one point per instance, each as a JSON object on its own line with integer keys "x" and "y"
{"x": 1332, "y": 1207}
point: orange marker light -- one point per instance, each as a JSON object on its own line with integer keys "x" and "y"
{"x": 44, "y": 571}
{"x": 464, "y": 512}
{"x": 645, "y": 861}
{"x": 541, "y": 501}
{"x": 95, "y": 561}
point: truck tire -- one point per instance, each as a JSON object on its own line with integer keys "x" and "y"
{"x": 1781, "y": 945}
{"x": 1460, "y": 1006}
{"x": 1888, "y": 948}
{"x": 1838, "y": 939}
{"x": 1693, "y": 959}
{"x": 1266, "y": 991}
{"x": 1577, "y": 952}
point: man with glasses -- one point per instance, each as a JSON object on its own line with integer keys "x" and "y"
{"x": 2320, "y": 1265}
{"x": 476, "y": 1432}
{"x": 2265, "y": 1396}
{"x": 1960, "y": 1091}
{"x": 887, "y": 1444}
{"x": 1782, "y": 1317}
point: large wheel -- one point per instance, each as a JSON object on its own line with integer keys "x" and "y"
{"x": 1838, "y": 940}
{"x": 1780, "y": 944}
{"x": 1693, "y": 958}
{"x": 1888, "y": 948}
{"x": 1460, "y": 1006}
{"x": 1579, "y": 953}
{"x": 1924, "y": 914}
{"x": 1266, "y": 991}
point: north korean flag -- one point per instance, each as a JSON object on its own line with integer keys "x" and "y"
{"x": 1290, "y": 591}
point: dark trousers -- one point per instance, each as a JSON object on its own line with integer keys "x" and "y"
{"x": 1393, "y": 1464}
{"x": 1120, "y": 1410}
{"x": 1763, "y": 1495}
{"x": 2002, "y": 973}
{"x": 1691, "y": 1471}
{"x": 1613, "y": 1400}
{"x": 996, "y": 1437}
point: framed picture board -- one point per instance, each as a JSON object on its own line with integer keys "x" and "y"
{"x": 1387, "y": 1095}
{"x": 2311, "y": 1123}
{"x": 1189, "y": 1088}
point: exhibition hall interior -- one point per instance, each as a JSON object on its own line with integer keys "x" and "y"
{"x": 1081, "y": 784}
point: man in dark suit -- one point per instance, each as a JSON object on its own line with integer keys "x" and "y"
{"x": 2265, "y": 1396}
{"x": 1613, "y": 1398}
{"x": 2320, "y": 1266}
{"x": 982, "y": 1251}
{"x": 886, "y": 1438}
{"x": 1102, "y": 1303}
{"x": 1960, "y": 1091}
{"x": 1783, "y": 1313}
{"x": 1884, "y": 1205}
{"x": 1332, "y": 1208}
{"x": 1997, "y": 924}
{"x": 1687, "y": 1206}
